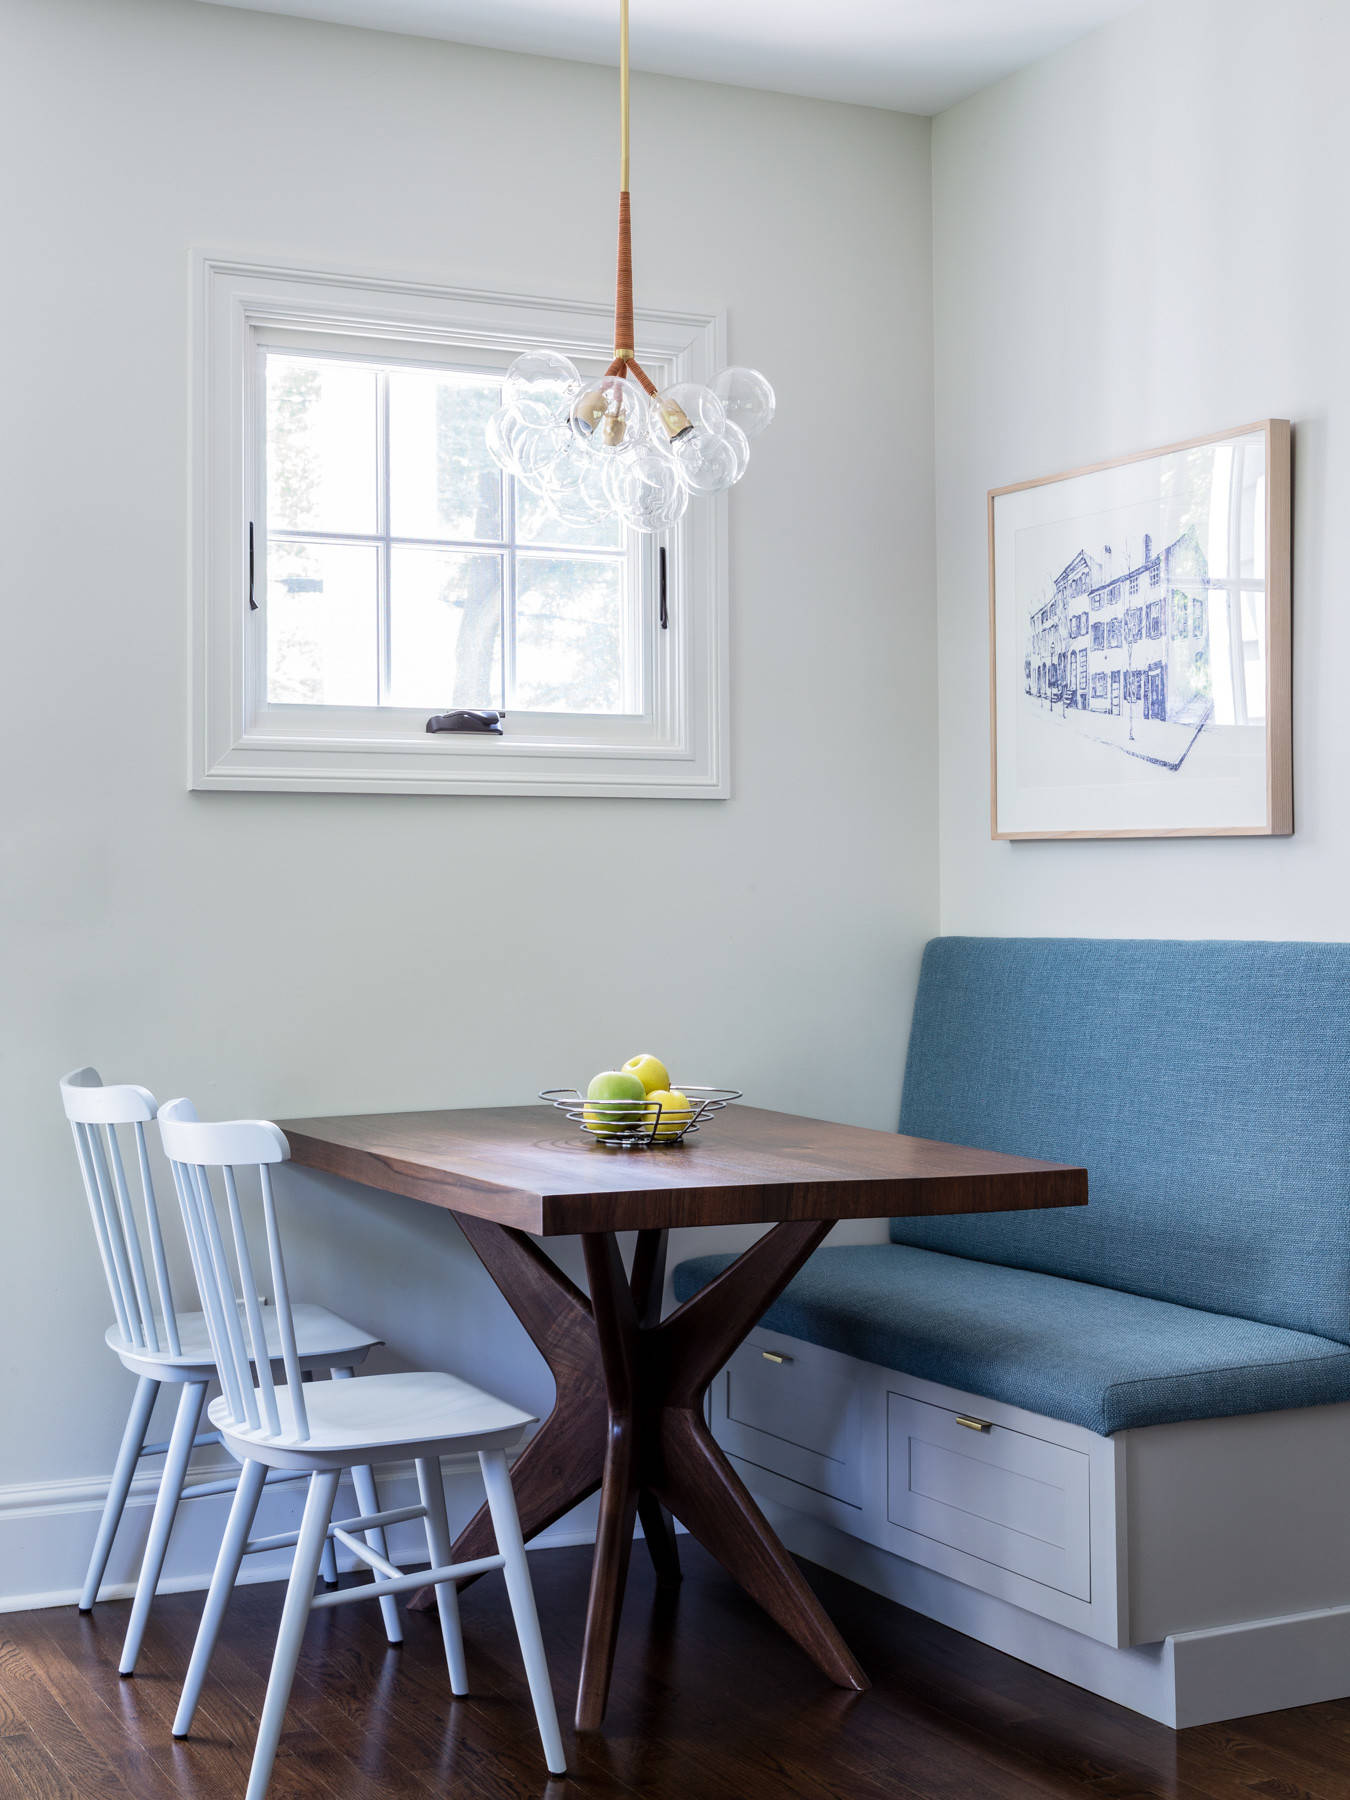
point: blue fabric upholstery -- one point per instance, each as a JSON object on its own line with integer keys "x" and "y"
{"x": 1205, "y": 1087}
{"x": 1091, "y": 1355}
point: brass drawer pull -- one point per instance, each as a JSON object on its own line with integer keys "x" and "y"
{"x": 973, "y": 1424}
{"x": 774, "y": 1357}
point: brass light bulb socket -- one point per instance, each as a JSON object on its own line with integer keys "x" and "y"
{"x": 675, "y": 419}
{"x": 589, "y": 411}
{"x": 613, "y": 430}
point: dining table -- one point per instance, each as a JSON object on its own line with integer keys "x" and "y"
{"x": 628, "y": 1416}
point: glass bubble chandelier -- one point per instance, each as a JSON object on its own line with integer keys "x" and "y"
{"x": 613, "y": 446}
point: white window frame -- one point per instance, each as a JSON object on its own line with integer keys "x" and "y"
{"x": 674, "y": 748}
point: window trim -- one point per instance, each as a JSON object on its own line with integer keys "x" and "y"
{"x": 676, "y": 750}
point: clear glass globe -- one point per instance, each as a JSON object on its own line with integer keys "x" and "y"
{"x": 740, "y": 443}
{"x": 540, "y": 385}
{"x": 573, "y": 485}
{"x": 611, "y": 414}
{"x": 596, "y": 483}
{"x": 504, "y": 433}
{"x": 710, "y": 463}
{"x": 748, "y": 399}
{"x": 536, "y": 448}
{"x": 576, "y": 503}
{"x": 689, "y": 406}
{"x": 647, "y": 490}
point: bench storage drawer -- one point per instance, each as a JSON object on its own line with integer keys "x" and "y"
{"x": 1029, "y": 1511}
{"x": 792, "y": 1414}
{"x": 1010, "y": 1499}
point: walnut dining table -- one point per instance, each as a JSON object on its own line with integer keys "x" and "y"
{"x": 628, "y": 1417}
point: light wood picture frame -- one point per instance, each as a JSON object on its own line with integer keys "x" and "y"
{"x": 1141, "y": 645}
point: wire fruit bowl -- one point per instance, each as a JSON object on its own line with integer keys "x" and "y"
{"x": 640, "y": 1124}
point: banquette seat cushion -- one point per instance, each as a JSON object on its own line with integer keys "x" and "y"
{"x": 1205, "y": 1086}
{"x": 1068, "y": 1349}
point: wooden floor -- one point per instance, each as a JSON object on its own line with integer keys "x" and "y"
{"x": 710, "y": 1702}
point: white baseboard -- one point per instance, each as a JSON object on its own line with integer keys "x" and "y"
{"x": 47, "y": 1530}
{"x": 1194, "y": 1678}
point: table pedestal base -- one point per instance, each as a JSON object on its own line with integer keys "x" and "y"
{"x": 628, "y": 1420}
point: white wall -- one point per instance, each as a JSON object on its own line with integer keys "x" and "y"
{"x": 286, "y": 955}
{"x": 1140, "y": 240}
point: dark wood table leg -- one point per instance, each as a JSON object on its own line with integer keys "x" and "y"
{"x": 563, "y": 1463}
{"x": 628, "y": 1419}
{"x": 657, "y": 1374}
{"x": 648, "y": 1283}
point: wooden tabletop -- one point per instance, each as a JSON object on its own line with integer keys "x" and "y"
{"x": 526, "y": 1167}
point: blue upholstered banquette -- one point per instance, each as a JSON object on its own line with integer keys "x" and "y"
{"x": 1206, "y": 1088}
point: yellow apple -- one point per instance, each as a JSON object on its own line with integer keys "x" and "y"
{"x": 650, "y": 1071}
{"x": 675, "y": 1114}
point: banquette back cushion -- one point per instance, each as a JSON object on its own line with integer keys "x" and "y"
{"x": 1204, "y": 1085}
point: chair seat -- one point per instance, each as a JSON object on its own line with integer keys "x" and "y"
{"x": 321, "y": 1338}
{"x": 418, "y": 1412}
{"x": 1091, "y": 1355}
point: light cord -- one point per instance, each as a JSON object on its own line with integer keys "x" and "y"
{"x": 623, "y": 96}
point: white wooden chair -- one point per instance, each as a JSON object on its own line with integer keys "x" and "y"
{"x": 322, "y": 1430}
{"x": 164, "y": 1347}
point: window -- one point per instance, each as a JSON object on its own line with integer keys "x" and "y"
{"x": 1134, "y": 581}
{"x": 1134, "y": 686}
{"x": 361, "y": 563}
{"x": 1155, "y": 618}
{"x": 1099, "y": 687}
{"x": 1113, "y": 638}
{"x": 1098, "y": 635}
{"x": 401, "y": 570}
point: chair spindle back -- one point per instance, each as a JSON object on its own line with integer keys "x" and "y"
{"x": 223, "y": 1262}
{"x": 95, "y": 1113}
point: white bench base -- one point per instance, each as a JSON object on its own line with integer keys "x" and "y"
{"x": 1192, "y": 1572}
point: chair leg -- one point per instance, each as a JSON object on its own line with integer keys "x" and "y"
{"x": 323, "y": 1486}
{"x": 133, "y": 1436}
{"x": 431, "y": 1488}
{"x": 367, "y": 1501}
{"x": 176, "y": 1458}
{"x": 328, "y": 1567}
{"x": 506, "y": 1524}
{"x": 231, "y": 1554}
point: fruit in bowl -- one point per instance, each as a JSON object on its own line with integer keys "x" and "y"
{"x": 615, "y": 1102}
{"x": 676, "y": 1111}
{"x": 650, "y": 1071}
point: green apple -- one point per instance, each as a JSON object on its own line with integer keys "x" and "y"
{"x": 650, "y": 1071}
{"x": 625, "y": 1095}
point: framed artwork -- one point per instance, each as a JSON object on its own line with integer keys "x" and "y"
{"x": 1140, "y": 644}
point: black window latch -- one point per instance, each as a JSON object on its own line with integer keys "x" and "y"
{"x": 477, "y": 719}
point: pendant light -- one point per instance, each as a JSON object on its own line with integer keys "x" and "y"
{"x": 614, "y": 446}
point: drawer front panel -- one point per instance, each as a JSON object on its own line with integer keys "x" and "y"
{"x": 793, "y": 1416}
{"x": 1016, "y": 1501}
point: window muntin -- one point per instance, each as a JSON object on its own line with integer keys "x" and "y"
{"x": 403, "y": 569}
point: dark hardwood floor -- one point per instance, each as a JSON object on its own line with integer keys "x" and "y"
{"x": 710, "y": 1702}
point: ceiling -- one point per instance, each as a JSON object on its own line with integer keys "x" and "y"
{"x": 913, "y": 55}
